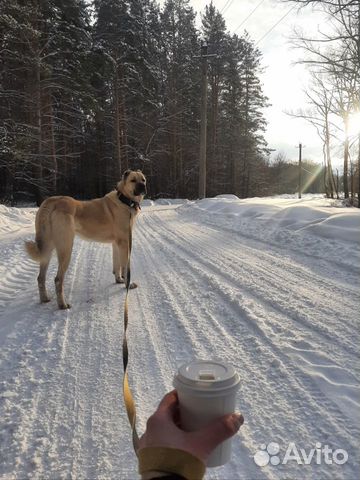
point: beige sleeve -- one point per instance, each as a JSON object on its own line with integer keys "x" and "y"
{"x": 170, "y": 460}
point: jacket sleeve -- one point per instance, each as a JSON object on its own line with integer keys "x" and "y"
{"x": 162, "y": 462}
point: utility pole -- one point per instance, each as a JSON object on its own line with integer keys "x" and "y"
{"x": 300, "y": 167}
{"x": 203, "y": 118}
{"x": 359, "y": 156}
{"x": 203, "y": 122}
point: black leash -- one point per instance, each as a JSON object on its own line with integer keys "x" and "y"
{"x": 128, "y": 396}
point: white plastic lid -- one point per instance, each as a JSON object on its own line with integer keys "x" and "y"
{"x": 206, "y": 376}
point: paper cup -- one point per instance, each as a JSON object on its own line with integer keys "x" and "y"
{"x": 207, "y": 390}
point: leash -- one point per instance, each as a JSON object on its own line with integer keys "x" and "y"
{"x": 127, "y": 394}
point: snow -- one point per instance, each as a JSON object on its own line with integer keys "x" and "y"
{"x": 14, "y": 219}
{"x": 170, "y": 201}
{"x": 320, "y": 216}
{"x": 270, "y": 285}
{"x": 147, "y": 203}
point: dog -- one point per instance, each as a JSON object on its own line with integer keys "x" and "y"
{"x": 105, "y": 220}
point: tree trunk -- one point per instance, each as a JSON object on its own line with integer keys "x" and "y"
{"x": 48, "y": 141}
{"x": 37, "y": 168}
{"x": 352, "y": 182}
{"x": 53, "y": 150}
{"x": 123, "y": 123}
{"x": 358, "y": 169}
{"x": 328, "y": 157}
{"x": 346, "y": 157}
{"x": 326, "y": 176}
{"x": 180, "y": 185}
{"x": 213, "y": 186}
{"x": 117, "y": 133}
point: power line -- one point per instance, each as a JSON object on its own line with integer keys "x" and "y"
{"x": 276, "y": 24}
{"x": 226, "y": 6}
{"x": 254, "y": 10}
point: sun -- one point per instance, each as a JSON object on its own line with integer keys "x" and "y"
{"x": 354, "y": 124}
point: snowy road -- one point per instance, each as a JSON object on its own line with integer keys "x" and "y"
{"x": 285, "y": 315}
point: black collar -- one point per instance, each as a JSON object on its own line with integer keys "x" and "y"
{"x": 128, "y": 202}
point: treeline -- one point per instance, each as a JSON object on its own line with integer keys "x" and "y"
{"x": 283, "y": 176}
{"x": 89, "y": 90}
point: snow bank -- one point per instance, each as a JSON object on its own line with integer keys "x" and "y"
{"x": 344, "y": 226}
{"x": 13, "y": 219}
{"x": 313, "y": 214}
{"x": 236, "y": 207}
{"x": 147, "y": 203}
{"x": 170, "y": 201}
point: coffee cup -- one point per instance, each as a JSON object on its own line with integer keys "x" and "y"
{"x": 207, "y": 390}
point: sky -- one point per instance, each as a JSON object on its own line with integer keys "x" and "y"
{"x": 283, "y": 80}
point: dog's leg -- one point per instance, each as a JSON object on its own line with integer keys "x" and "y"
{"x": 123, "y": 251}
{"x": 64, "y": 244}
{"x": 116, "y": 264}
{"x": 64, "y": 260}
{"x": 42, "y": 279}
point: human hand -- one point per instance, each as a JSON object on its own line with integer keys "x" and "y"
{"x": 163, "y": 429}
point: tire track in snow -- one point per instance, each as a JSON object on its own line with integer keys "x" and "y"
{"x": 179, "y": 335}
{"x": 89, "y": 419}
{"x": 280, "y": 323}
{"x": 280, "y": 262}
{"x": 64, "y": 416}
{"x": 316, "y": 397}
{"x": 16, "y": 277}
{"x": 298, "y": 245}
{"x": 73, "y": 423}
{"x": 287, "y": 289}
{"x": 31, "y": 367}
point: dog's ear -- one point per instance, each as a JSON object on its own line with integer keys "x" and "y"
{"x": 126, "y": 174}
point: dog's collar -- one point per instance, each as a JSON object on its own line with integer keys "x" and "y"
{"x": 128, "y": 202}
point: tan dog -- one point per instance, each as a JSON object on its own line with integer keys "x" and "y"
{"x": 105, "y": 219}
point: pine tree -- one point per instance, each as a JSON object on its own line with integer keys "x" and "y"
{"x": 252, "y": 104}
{"x": 236, "y": 147}
{"x": 111, "y": 25}
{"x": 43, "y": 42}
{"x": 21, "y": 95}
{"x": 83, "y": 100}
{"x": 214, "y": 31}
{"x": 144, "y": 41}
{"x": 180, "y": 96}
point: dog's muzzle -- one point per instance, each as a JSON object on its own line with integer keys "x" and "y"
{"x": 140, "y": 189}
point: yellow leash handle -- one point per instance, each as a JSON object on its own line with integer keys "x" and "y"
{"x": 127, "y": 394}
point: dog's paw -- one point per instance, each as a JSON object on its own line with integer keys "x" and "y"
{"x": 45, "y": 300}
{"x": 133, "y": 285}
{"x": 65, "y": 306}
{"x": 119, "y": 280}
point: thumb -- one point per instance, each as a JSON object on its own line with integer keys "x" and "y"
{"x": 220, "y": 429}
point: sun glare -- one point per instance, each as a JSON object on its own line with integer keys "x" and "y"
{"x": 312, "y": 178}
{"x": 354, "y": 124}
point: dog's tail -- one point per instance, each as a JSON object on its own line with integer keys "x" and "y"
{"x": 40, "y": 248}
{"x": 34, "y": 250}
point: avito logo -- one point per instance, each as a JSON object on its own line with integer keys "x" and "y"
{"x": 320, "y": 454}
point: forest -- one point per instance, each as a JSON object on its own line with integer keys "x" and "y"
{"x": 89, "y": 89}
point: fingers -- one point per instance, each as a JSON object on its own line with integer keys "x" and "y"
{"x": 169, "y": 403}
{"x": 165, "y": 413}
{"x": 161, "y": 424}
{"x": 220, "y": 429}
